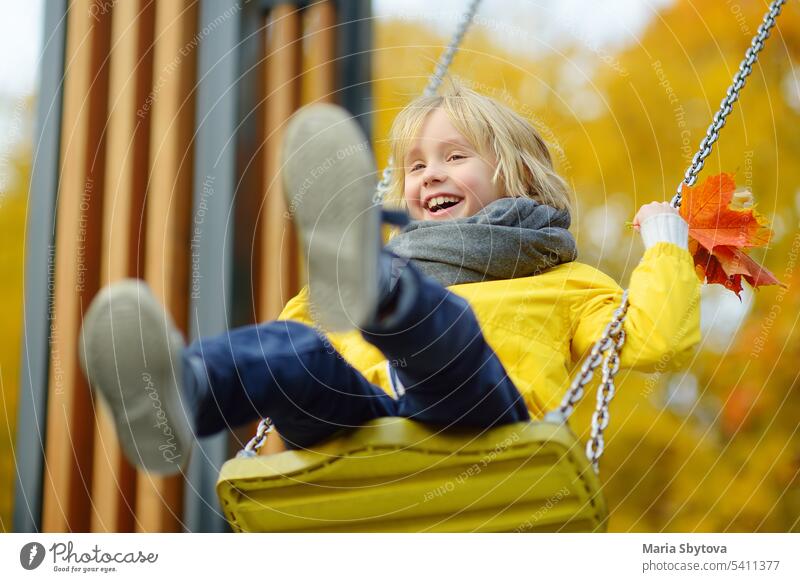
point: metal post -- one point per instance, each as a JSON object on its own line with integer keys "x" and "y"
{"x": 211, "y": 229}
{"x": 354, "y": 49}
{"x": 39, "y": 269}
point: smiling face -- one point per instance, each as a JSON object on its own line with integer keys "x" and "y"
{"x": 445, "y": 177}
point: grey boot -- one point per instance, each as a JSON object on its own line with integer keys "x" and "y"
{"x": 329, "y": 181}
{"x": 131, "y": 354}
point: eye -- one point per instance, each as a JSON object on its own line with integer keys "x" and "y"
{"x": 415, "y": 167}
{"x": 456, "y": 157}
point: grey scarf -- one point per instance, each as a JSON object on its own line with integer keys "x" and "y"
{"x": 508, "y": 238}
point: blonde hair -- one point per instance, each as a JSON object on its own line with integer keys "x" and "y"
{"x": 524, "y": 166}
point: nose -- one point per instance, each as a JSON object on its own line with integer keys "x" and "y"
{"x": 433, "y": 173}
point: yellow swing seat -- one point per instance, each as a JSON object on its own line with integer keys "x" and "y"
{"x": 397, "y": 475}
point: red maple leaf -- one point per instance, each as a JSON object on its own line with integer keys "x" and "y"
{"x": 719, "y": 230}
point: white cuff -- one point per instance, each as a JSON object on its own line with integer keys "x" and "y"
{"x": 667, "y": 227}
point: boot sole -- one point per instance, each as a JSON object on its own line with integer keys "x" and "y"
{"x": 130, "y": 352}
{"x": 329, "y": 181}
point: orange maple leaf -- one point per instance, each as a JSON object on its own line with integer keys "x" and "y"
{"x": 713, "y": 221}
{"x": 719, "y": 230}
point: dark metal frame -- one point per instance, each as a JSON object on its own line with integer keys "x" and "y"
{"x": 210, "y": 233}
{"x": 39, "y": 270}
{"x": 354, "y": 45}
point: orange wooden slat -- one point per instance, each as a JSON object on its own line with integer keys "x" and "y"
{"x": 168, "y": 209}
{"x": 279, "y": 270}
{"x": 68, "y": 455}
{"x": 319, "y": 59}
{"x": 114, "y": 479}
{"x": 249, "y": 202}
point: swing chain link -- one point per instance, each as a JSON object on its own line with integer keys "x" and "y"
{"x": 732, "y": 95}
{"x": 434, "y": 83}
{"x": 605, "y": 393}
{"x": 607, "y": 343}
{"x": 265, "y": 426}
{"x": 606, "y": 350}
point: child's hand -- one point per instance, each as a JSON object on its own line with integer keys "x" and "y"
{"x": 652, "y": 209}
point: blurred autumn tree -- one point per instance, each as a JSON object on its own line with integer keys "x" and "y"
{"x": 13, "y": 206}
{"x": 714, "y": 447}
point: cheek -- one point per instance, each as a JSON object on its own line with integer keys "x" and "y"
{"x": 408, "y": 194}
{"x": 411, "y": 198}
{"x": 478, "y": 184}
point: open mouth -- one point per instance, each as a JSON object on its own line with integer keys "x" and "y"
{"x": 442, "y": 205}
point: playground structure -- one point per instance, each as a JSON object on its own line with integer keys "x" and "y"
{"x": 159, "y": 129}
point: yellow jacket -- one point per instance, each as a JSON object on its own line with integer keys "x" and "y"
{"x": 540, "y": 326}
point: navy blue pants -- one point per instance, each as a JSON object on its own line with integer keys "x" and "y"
{"x": 291, "y": 373}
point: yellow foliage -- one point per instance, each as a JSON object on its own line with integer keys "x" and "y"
{"x": 727, "y": 461}
{"x": 13, "y": 207}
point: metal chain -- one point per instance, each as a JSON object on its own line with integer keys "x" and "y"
{"x": 605, "y": 392}
{"x": 732, "y": 95}
{"x": 264, "y": 428}
{"x": 434, "y": 83}
{"x": 610, "y": 344}
{"x": 578, "y": 387}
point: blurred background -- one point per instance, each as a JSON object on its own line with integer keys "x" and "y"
{"x": 622, "y": 91}
{"x": 21, "y": 31}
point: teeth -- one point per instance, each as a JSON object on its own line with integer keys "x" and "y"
{"x": 438, "y": 200}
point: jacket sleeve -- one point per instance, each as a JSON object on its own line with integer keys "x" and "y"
{"x": 349, "y": 344}
{"x": 296, "y": 309}
{"x": 662, "y": 325}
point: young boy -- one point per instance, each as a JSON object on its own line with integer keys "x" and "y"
{"x": 491, "y": 223}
